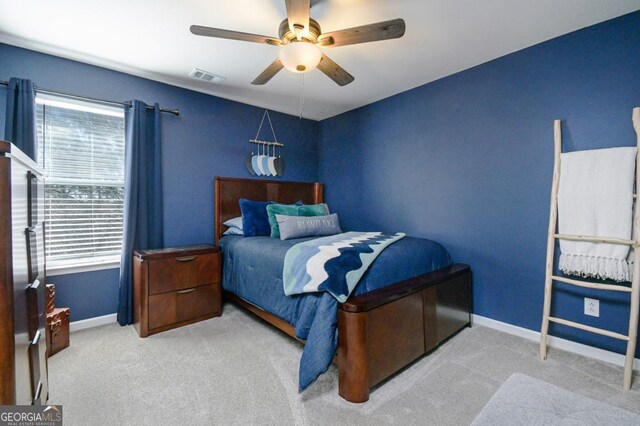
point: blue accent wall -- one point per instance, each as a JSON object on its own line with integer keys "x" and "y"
{"x": 210, "y": 138}
{"x": 89, "y": 294}
{"x": 467, "y": 160}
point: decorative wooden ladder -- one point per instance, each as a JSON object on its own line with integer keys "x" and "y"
{"x": 634, "y": 290}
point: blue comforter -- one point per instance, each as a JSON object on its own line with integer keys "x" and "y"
{"x": 252, "y": 270}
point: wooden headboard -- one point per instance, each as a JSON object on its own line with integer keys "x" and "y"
{"x": 229, "y": 190}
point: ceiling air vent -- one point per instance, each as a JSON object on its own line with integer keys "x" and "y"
{"x": 207, "y": 76}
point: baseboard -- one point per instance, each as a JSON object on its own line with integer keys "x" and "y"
{"x": 556, "y": 342}
{"x": 92, "y": 322}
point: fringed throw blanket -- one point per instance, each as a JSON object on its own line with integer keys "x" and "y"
{"x": 595, "y": 198}
{"x": 333, "y": 264}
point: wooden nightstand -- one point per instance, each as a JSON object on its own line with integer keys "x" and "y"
{"x": 175, "y": 287}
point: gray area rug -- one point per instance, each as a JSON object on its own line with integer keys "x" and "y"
{"x": 236, "y": 369}
{"x": 522, "y": 400}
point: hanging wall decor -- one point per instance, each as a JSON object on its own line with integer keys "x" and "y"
{"x": 265, "y": 162}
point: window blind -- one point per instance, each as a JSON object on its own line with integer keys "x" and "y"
{"x": 81, "y": 148}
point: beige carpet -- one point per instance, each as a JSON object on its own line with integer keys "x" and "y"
{"x": 237, "y": 370}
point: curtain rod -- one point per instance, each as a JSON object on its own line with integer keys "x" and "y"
{"x": 175, "y": 112}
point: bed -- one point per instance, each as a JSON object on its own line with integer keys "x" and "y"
{"x": 404, "y": 307}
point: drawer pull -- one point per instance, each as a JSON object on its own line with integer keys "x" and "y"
{"x": 36, "y": 397}
{"x": 36, "y": 338}
{"x": 186, "y": 291}
{"x": 186, "y": 258}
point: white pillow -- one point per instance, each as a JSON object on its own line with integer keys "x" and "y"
{"x": 236, "y": 222}
{"x": 233, "y": 230}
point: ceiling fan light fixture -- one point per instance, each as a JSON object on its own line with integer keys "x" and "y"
{"x": 300, "y": 56}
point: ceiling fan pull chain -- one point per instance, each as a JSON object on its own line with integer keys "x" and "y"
{"x": 300, "y": 97}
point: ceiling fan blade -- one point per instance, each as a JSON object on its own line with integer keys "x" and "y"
{"x": 268, "y": 74}
{"x": 373, "y": 32}
{"x": 298, "y": 14}
{"x": 233, "y": 35}
{"x": 334, "y": 71}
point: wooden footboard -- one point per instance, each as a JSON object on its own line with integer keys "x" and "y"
{"x": 383, "y": 331}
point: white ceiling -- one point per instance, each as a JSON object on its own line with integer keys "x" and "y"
{"x": 151, "y": 38}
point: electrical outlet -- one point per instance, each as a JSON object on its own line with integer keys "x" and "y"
{"x": 592, "y": 307}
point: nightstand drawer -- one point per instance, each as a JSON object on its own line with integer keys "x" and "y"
{"x": 183, "y": 272}
{"x": 175, "y": 286}
{"x": 183, "y": 305}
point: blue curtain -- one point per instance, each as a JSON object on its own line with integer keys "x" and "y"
{"x": 20, "y": 124}
{"x": 142, "y": 195}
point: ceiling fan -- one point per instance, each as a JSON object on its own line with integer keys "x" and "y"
{"x": 300, "y": 39}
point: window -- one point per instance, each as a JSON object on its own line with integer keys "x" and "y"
{"x": 81, "y": 148}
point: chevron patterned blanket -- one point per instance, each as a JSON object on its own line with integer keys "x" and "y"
{"x": 333, "y": 264}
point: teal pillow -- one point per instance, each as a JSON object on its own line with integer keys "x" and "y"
{"x": 284, "y": 209}
{"x": 293, "y": 210}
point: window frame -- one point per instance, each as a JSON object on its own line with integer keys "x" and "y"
{"x": 86, "y": 263}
